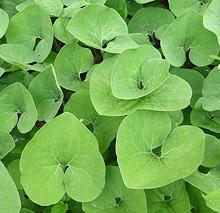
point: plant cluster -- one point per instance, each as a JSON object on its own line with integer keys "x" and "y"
{"x": 109, "y": 106}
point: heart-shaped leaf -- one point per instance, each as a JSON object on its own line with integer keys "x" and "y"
{"x": 71, "y": 61}
{"x": 95, "y": 30}
{"x": 170, "y": 198}
{"x": 138, "y": 72}
{"x": 179, "y": 7}
{"x": 32, "y": 27}
{"x": 205, "y": 182}
{"x": 116, "y": 197}
{"x": 6, "y": 143}
{"x": 46, "y": 93}
{"x": 17, "y": 107}
{"x": 211, "y": 19}
{"x": 150, "y": 155}
{"x": 148, "y": 20}
{"x": 9, "y": 197}
{"x": 188, "y": 35}
{"x": 201, "y": 118}
{"x": 173, "y": 95}
{"x": 103, "y": 127}
{"x": 64, "y": 160}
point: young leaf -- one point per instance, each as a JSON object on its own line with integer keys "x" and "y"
{"x": 103, "y": 127}
{"x": 71, "y": 61}
{"x": 116, "y": 197}
{"x": 9, "y": 197}
{"x": 169, "y": 198}
{"x": 138, "y": 72}
{"x": 32, "y": 27}
{"x": 62, "y": 160}
{"x": 155, "y": 157}
{"x": 187, "y": 34}
{"x": 17, "y": 107}
{"x": 6, "y": 143}
{"x": 95, "y": 30}
{"x": 46, "y": 93}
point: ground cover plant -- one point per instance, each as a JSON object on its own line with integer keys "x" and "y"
{"x": 109, "y": 106}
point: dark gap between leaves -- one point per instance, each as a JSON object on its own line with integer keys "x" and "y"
{"x": 167, "y": 198}
{"x": 118, "y": 200}
{"x": 37, "y": 41}
{"x": 157, "y": 151}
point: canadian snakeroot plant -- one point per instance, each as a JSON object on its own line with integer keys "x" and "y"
{"x": 109, "y": 106}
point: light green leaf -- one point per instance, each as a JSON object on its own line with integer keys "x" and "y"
{"x": 119, "y": 5}
{"x": 116, "y": 197}
{"x": 176, "y": 118}
{"x": 143, "y": 1}
{"x": 6, "y": 143}
{"x": 9, "y": 197}
{"x": 46, "y": 93}
{"x": 70, "y": 62}
{"x": 212, "y": 151}
{"x": 60, "y": 31}
{"x": 205, "y": 182}
{"x": 17, "y": 107}
{"x": 211, "y": 91}
{"x": 201, "y": 118}
{"x": 59, "y": 208}
{"x": 179, "y": 7}
{"x": 53, "y": 7}
{"x": 24, "y": 4}
{"x": 96, "y": 31}
{"x": 62, "y": 160}
{"x": 173, "y": 95}
{"x": 155, "y": 157}
{"x": 187, "y": 34}
{"x": 138, "y": 72}
{"x": 103, "y": 127}
{"x": 4, "y": 22}
{"x": 211, "y": 19}
{"x": 212, "y": 200}
{"x": 148, "y": 20}
{"x": 17, "y": 54}
{"x": 171, "y": 198}
{"x": 32, "y": 27}
{"x": 194, "y": 79}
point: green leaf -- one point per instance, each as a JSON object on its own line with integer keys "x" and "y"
{"x": 60, "y": 31}
{"x": 138, "y": 72}
{"x": 188, "y": 35}
{"x": 32, "y": 27}
{"x": 6, "y": 143}
{"x": 59, "y": 208}
{"x": 4, "y": 22}
{"x": 179, "y": 7}
{"x": 71, "y": 61}
{"x": 46, "y": 93}
{"x": 9, "y": 197}
{"x": 95, "y": 30}
{"x": 211, "y": 91}
{"x": 53, "y": 7}
{"x": 212, "y": 200}
{"x": 148, "y": 20}
{"x": 169, "y": 199}
{"x": 212, "y": 151}
{"x": 14, "y": 171}
{"x": 176, "y": 118}
{"x": 201, "y": 118}
{"x": 119, "y": 5}
{"x": 155, "y": 157}
{"x": 205, "y": 182}
{"x": 116, "y": 197}
{"x": 211, "y": 19}
{"x": 62, "y": 160}
{"x": 17, "y": 54}
{"x": 194, "y": 79}
{"x": 17, "y": 108}
{"x": 103, "y": 127}
{"x": 173, "y": 95}
{"x": 143, "y": 1}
